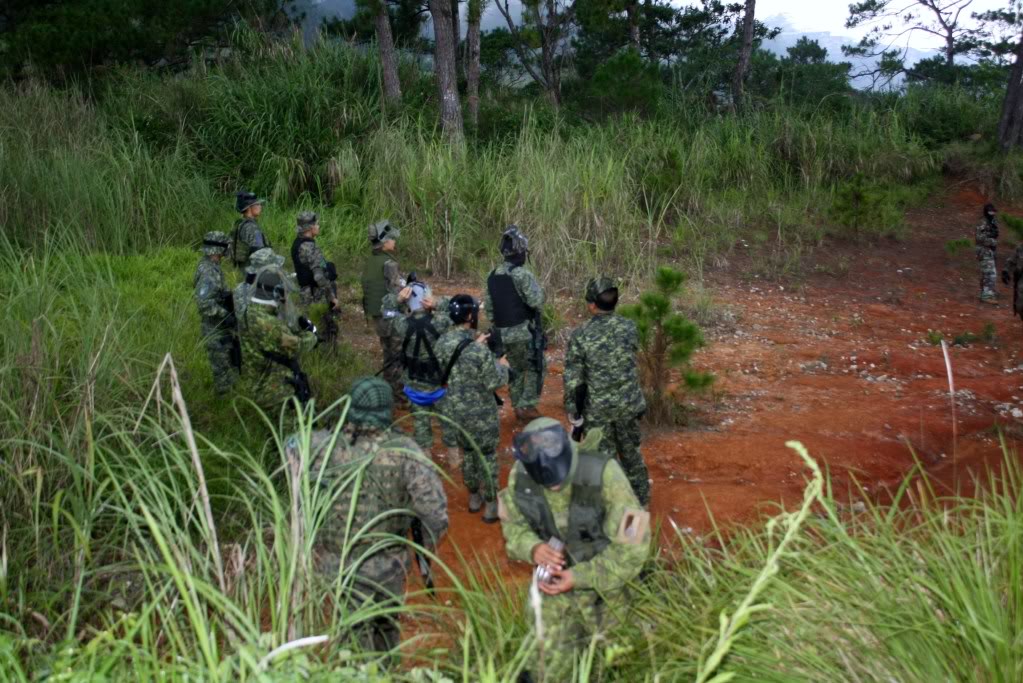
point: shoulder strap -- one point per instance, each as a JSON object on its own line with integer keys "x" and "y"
{"x": 454, "y": 358}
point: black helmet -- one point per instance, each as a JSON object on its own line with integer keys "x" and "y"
{"x": 989, "y": 210}
{"x": 462, "y": 308}
{"x": 513, "y": 242}
{"x": 545, "y": 450}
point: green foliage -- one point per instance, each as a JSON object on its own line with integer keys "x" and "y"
{"x": 1014, "y": 223}
{"x": 667, "y": 341}
{"x": 625, "y": 83}
{"x": 934, "y": 337}
{"x": 65, "y": 37}
{"x": 956, "y": 246}
{"x": 863, "y": 207}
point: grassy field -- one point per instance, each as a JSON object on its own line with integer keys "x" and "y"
{"x": 137, "y": 542}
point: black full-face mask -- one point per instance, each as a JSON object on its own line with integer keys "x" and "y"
{"x": 545, "y": 453}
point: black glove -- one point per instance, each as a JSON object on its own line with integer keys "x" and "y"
{"x": 306, "y": 324}
{"x": 1005, "y": 277}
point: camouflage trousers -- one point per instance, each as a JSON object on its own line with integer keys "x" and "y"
{"x": 570, "y": 620}
{"x": 390, "y": 347}
{"x": 525, "y": 384}
{"x": 379, "y": 586}
{"x": 622, "y": 437}
{"x": 422, "y": 425}
{"x": 218, "y": 350}
{"x": 478, "y": 440}
{"x": 988, "y": 272}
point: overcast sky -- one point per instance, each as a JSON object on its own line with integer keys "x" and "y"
{"x": 829, "y": 15}
{"x": 810, "y": 16}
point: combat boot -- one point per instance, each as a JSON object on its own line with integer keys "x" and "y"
{"x": 475, "y": 502}
{"x": 527, "y": 414}
{"x": 490, "y": 512}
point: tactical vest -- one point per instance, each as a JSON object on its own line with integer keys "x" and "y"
{"x": 509, "y": 308}
{"x": 240, "y": 254}
{"x": 303, "y": 273}
{"x": 382, "y": 492}
{"x": 374, "y": 287}
{"x": 585, "y": 537}
{"x": 419, "y": 336}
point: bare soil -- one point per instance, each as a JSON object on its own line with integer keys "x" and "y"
{"x": 840, "y": 361}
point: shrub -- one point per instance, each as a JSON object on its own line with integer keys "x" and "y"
{"x": 667, "y": 341}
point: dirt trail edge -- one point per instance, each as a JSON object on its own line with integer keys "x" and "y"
{"x": 842, "y": 363}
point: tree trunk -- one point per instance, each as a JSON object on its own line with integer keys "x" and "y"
{"x": 950, "y": 50}
{"x": 550, "y": 34}
{"x": 648, "y": 27}
{"x": 632, "y": 12}
{"x": 444, "y": 68}
{"x": 388, "y": 56}
{"x": 472, "y": 61}
{"x": 745, "y": 51}
{"x": 455, "y": 27}
{"x": 1012, "y": 107}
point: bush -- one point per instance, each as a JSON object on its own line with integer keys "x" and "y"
{"x": 667, "y": 340}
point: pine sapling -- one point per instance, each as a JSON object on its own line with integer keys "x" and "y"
{"x": 667, "y": 340}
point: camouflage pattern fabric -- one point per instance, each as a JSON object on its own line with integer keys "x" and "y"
{"x": 524, "y": 381}
{"x": 250, "y": 239}
{"x": 602, "y": 355}
{"x": 987, "y": 244}
{"x": 390, "y": 350}
{"x": 422, "y": 417}
{"x": 1012, "y": 274}
{"x": 392, "y": 474}
{"x": 260, "y": 329}
{"x": 312, "y": 256}
{"x": 571, "y": 618}
{"x": 210, "y": 289}
{"x": 470, "y": 405}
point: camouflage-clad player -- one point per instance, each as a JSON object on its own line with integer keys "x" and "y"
{"x": 1012, "y": 275}
{"x": 394, "y": 476}
{"x": 577, "y": 494}
{"x": 215, "y": 312}
{"x": 987, "y": 244}
{"x": 419, "y": 328}
{"x": 248, "y": 236}
{"x": 380, "y": 277}
{"x": 316, "y": 275}
{"x": 601, "y": 377}
{"x": 272, "y": 338}
{"x": 470, "y": 404}
{"x": 514, "y": 302}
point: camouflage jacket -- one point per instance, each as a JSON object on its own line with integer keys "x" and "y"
{"x": 619, "y": 563}
{"x": 311, "y": 256}
{"x": 400, "y": 325}
{"x": 987, "y": 235}
{"x": 1012, "y": 272}
{"x": 260, "y": 329}
{"x": 210, "y": 290}
{"x": 248, "y": 237}
{"x": 528, "y": 287}
{"x": 473, "y": 379}
{"x": 602, "y": 355}
{"x": 385, "y": 471}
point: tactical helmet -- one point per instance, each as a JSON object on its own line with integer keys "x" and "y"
{"x": 306, "y": 220}
{"x": 372, "y": 403}
{"x": 270, "y": 285}
{"x": 462, "y": 308}
{"x": 598, "y": 286}
{"x": 989, "y": 210}
{"x": 264, "y": 258}
{"x": 244, "y": 199}
{"x": 545, "y": 451}
{"x": 513, "y": 242}
{"x": 382, "y": 230}
{"x": 215, "y": 242}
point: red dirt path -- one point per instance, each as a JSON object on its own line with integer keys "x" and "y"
{"x": 842, "y": 364}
